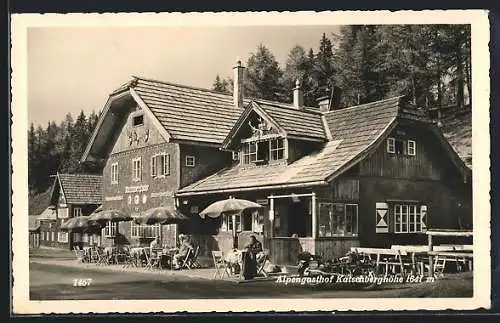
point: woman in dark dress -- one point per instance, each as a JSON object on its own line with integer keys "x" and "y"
{"x": 250, "y": 258}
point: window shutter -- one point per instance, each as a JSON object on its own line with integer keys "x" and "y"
{"x": 423, "y": 217}
{"x": 153, "y": 168}
{"x": 382, "y": 214}
{"x": 167, "y": 164}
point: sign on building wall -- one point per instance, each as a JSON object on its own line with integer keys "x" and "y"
{"x": 382, "y": 214}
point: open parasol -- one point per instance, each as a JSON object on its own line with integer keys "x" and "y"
{"x": 77, "y": 223}
{"x": 162, "y": 215}
{"x": 110, "y": 216}
{"x": 229, "y": 207}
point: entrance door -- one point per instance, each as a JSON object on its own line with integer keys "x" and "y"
{"x": 299, "y": 218}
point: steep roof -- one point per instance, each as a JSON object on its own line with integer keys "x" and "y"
{"x": 353, "y": 132}
{"x": 295, "y": 122}
{"x": 457, "y": 129}
{"x": 189, "y": 113}
{"x": 38, "y": 203}
{"x": 81, "y": 188}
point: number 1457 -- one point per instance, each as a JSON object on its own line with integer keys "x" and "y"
{"x": 82, "y": 282}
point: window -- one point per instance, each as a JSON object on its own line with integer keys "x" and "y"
{"x": 250, "y": 152}
{"x": 337, "y": 219}
{"x": 160, "y": 165}
{"x": 144, "y": 230}
{"x": 136, "y": 169}
{"x": 257, "y": 222}
{"x": 412, "y": 148}
{"x": 53, "y": 236}
{"x": 138, "y": 120}
{"x": 114, "y": 173}
{"x": 62, "y": 237}
{"x": 407, "y": 219}
{"x": 263, "y": 151}
{"x": 277, "y": 148}
{"x": 109, "y": 230}
{"x": 190, "y": 161}
{"x": 227, "y": 223}
{"x": 401, "y": 147}
{"x": 77, "y": 211}
{"x": 391, "y": 145}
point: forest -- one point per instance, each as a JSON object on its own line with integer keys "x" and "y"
{"x": 431, "y": 64}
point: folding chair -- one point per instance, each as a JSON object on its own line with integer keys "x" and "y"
{"x": 220, "y": 264}
{"x": 260, "y": 266}
{"x": 103, "y": 257}
{"x": 80, "y": 254}
{"x": 191, "y": 260}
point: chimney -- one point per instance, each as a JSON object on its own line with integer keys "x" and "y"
{"x": 298, "y": 95}
{"x": 331, "y": 101}
{"x": 238, "y": 84}
{"x": 323, "y": 103}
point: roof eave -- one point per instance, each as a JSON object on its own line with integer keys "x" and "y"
{"x": 111, "y": 98}
{"x": 251, "y": 188}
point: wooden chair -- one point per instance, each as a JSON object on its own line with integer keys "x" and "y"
{"x": 191, "y": 260}
{"x": 80, "y": 254}
{"x": 260, "y": 266}
{"x": 220, "y": 264}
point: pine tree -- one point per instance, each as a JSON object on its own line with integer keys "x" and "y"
{"x": 263, "y": 76}
{"x": 297, "y": 67}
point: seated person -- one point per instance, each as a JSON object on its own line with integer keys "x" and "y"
{"x": 255, "y": 247}
{"x": 184, "y": 248}
{"x": 154, "y": 246}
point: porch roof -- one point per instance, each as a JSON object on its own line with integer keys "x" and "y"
{"x": 354, "y": 131}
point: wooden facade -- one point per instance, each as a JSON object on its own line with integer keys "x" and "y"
{"x": 327, "y": 181}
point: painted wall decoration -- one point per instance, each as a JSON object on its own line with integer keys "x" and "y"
{"x": 382, "y": 211}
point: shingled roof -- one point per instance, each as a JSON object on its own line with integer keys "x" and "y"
{"x": 295, "y": 122}
{"x": 353, "y": 131}
{"x": 81, "y": 188}
{"x": 189, "y": 113}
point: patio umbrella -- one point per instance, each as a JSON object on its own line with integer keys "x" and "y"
{"x": 110, "y": 215}
{"x": 229, "y": 207}
{"x": 162, "y": 215}
{"x": 76, "y": 223}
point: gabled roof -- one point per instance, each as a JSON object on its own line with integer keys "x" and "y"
{"x": 80, "y": 188}
{"x": 290, "y": 121}
{"x": 189, "y": 113}
{"x": 353, "y": 134}
{"x": 181, "y": 113}
{"x": 354, "y": 131}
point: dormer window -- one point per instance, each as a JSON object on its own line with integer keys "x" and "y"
{"x": 138, "y": 120}
{"x": 250, "y": 152}
{"x": 277, "y": 148}
{"x": 263, "y": 151}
